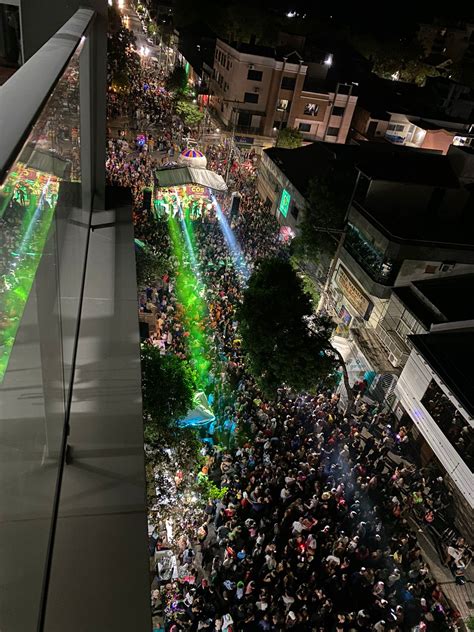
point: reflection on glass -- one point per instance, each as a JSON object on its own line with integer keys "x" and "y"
{"x": 28, "y": 198}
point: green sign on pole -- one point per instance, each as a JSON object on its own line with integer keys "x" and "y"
{"x": 284, "y": 203}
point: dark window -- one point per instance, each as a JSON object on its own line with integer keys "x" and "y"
{"x": 254, "y": 75}
{"x": 338, "y": 111}
{"x": 333, "y": 131}
{"x": 344, "y": 88}
{"x": 250, "y": 97}
{"x": 288, "y": 83}
{"x": 311, "y": 109}
{"x": 372, "y": 128}
{"x": 304, "y": 127}
{"x": 277, "y": 124}
{"x": 245, "y": 119}
{"x": 295, "y": 211}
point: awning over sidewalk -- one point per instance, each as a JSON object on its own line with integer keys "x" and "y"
{"x": 370, "y": 345}
{"x": 178, "y": 176}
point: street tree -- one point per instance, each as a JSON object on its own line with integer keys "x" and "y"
{"x": 177, "y": 80}
{"x": 289, "y": 138}
{"x": 395, "y": 56}
{"x": 189, "y": 112}
{"x": 284, "y": 341}
{"x": 167, "y": 392}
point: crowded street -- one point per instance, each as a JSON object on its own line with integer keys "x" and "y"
{"x": 318, "y": 523}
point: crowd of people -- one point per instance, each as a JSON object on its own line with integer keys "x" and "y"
{"x": 313, "y": 522}
{"x": 311, "y": 532}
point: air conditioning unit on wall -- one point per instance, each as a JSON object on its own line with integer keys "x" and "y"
{"x": 393, "y": 359}
{"x": 447, "y": 266}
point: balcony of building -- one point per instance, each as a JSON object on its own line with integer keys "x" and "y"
{"x": 394, "y": 328}
{"x": 73, "y": 518}
{"x": 378, "y": 265}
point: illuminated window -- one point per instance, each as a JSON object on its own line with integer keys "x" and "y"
{"x": 311, "y": 109}
{"x": 283, "y": 105}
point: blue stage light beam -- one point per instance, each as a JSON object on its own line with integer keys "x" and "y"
{"x": 231, "y": 241}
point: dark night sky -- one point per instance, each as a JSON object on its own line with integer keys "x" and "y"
{"x": 376, "y": 13}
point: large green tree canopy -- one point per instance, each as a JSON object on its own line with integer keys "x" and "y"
{"x": 283, "y": 341}
{"x": 167, "y": 389}
{"x": 289, "y": 138}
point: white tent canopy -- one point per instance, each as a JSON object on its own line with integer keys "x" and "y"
{"x": 178, "y": 176}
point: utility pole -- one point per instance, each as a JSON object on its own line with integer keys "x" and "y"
{"x": 233, "y": 123}
{"x": 343, "y": 233}
{"x": 231, "y": 149}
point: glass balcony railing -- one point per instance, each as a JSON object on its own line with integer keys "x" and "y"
{"x": 45, "y": 216}
{"x": 379, "y": 267}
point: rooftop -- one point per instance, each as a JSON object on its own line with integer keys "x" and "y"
{"x": 376, "y": 160}
{"x": 178, "y": 176}
{"x": 302, "y": 164}
{"x": 448, "y": 295}
{"x": 416, "y": 167}
{"x": 259, "y": 50}
{"x": 420, "y": 226}
{"x": 377, "y": 96}
{"x": 449, "y": 354}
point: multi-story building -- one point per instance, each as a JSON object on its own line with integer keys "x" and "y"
{"x": 434, "y": 117}
{"x": 73, "y": 528}
{"x": 285, "y": 174}
{"x": 259, "y": 90}
{"x": 403, "y": 273}
{"x": 409, "y": 219}
{"x": 435, "y": 397}
{"x": 399, "y": 288}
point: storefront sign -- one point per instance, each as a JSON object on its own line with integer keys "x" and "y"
{"x": 244, "y": 140}
{"x": 352, "y": 292}
{"x": 284, "y": 203}
{"x": 345, "y": 316}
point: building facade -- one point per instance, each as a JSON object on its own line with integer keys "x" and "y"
{"x": 400, "y": 228}
{"x": 257, "y": 90}
{"x": 412, "y": 131}
{"x": 433, "y": 398}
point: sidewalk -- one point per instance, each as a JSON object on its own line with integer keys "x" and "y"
{"x": 461, "y": 597}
